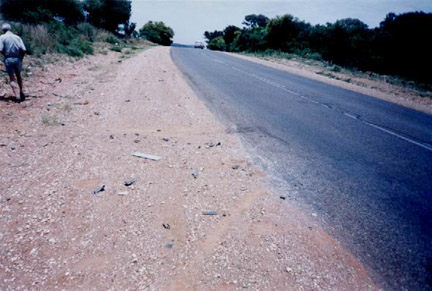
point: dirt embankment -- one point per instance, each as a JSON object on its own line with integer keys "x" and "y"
{"x": 78, "y": 130}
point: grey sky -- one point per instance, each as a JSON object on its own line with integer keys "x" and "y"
{"x": 190, "y": 19}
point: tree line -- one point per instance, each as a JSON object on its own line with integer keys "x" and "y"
{"x": 400, "y": 46}
{"x": 111, "y": 15}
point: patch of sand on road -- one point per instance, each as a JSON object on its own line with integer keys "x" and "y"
{"x": 80, "y": 133}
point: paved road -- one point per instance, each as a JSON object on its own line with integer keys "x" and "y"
{"x": 362, "y": 164}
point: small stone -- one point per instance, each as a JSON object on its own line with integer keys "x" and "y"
{"x": 166, "y": 139}
{"x": 122, "y": 193}
{"x": 137, "y": 141}
{"x": 314, "y": 214}
{"x": 170, "y": 244}
{"x": 127, "y": 101}
{"x": 282, "y": 197}
{"x": 235, "y": 167}
{"x": 99, "y": 189}
{"x": 288, "y": 270}
{"x": 129, "y": 182}
{"x": 195, "y": 173}
{"x": 111, "y": 136}
{"x": 166, "y": 225}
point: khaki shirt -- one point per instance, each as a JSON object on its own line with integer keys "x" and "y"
{"x": 11, "y": 45}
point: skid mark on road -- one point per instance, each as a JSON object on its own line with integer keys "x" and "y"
{"x": 310, "y": 100}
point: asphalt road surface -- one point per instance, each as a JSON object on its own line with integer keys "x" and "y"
{"x": 364, "y": 166}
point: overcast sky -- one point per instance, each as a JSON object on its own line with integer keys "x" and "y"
{"x": 190, "y": 19}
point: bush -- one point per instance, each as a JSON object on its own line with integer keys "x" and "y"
{"x": 87, "y": 30}
{"x": 112, "y": 39}
{"x": 116, "y": 48}
{"x": 157, "y": 32}
{"x": 217, "y": 44}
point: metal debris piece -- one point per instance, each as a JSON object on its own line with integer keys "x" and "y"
{"x": 166, "y": 225}
{"x": 209, "y": 213}
{"x": 170, "y": 244}
{"x": 129, "y": 182}
{"x": 99, "y": 189}
{"x": 195, "y": 173}
{"x": 146, "y": 156}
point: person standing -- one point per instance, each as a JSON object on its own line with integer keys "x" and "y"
{"x": 13, "y": 50}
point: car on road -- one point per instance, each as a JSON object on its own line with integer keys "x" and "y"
{"x": 199, "y": 45}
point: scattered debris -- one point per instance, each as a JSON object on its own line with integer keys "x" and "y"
{"x": 99, "y": 189}
{"x": 212, "y": 144}
{"x": 170, "y": 244}
{"x": 81, "y": 103}
{"x": 209, "y": 212}
{"x": 166, "y": 225}
{"x": 195, "y": 173}
{"x": 146, "y": 156}
{"x": 235, "y": 167}
{"x": 129, "y": 182}
{"x": 122, "y": 193}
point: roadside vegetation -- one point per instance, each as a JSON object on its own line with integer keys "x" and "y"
{"x": 398, "y": 47}
{"x": 77, "y": 28}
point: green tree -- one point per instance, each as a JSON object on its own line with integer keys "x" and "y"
{"x": 38, "y": 11}
{"x": 254, "y": 21}
{"x": 157, "y": 32}
{"x": 229, "y": 34}
{"x": 108, "y": 14}
{"x": 217, "y": 44}
{"x": 211, "y": 35}
{"x": 286, "y": 33}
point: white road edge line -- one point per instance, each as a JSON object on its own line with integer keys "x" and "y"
{"x": 276, "y": 85}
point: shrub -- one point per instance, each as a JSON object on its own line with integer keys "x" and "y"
{"x": 112, "y": 39}
{"x": 157, "y": 32}
{"x": 217, "y": 44}
{"x": 87, "y": 30}
{"x": 116, "y": 48}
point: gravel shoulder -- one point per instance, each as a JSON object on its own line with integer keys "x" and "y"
{"x": 78, "y": 131}
{"x": 366, "y": 84}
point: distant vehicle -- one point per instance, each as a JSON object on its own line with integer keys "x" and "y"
{"x": 199, "y": 45}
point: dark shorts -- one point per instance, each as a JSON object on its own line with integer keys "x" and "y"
{"x": 13, "y": 65}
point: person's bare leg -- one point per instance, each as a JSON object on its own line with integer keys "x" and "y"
{"x": 14, "y": 85}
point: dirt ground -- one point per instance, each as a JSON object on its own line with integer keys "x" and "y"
{"x": 368, "y": 84}
{"x": 78, "y": 130}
